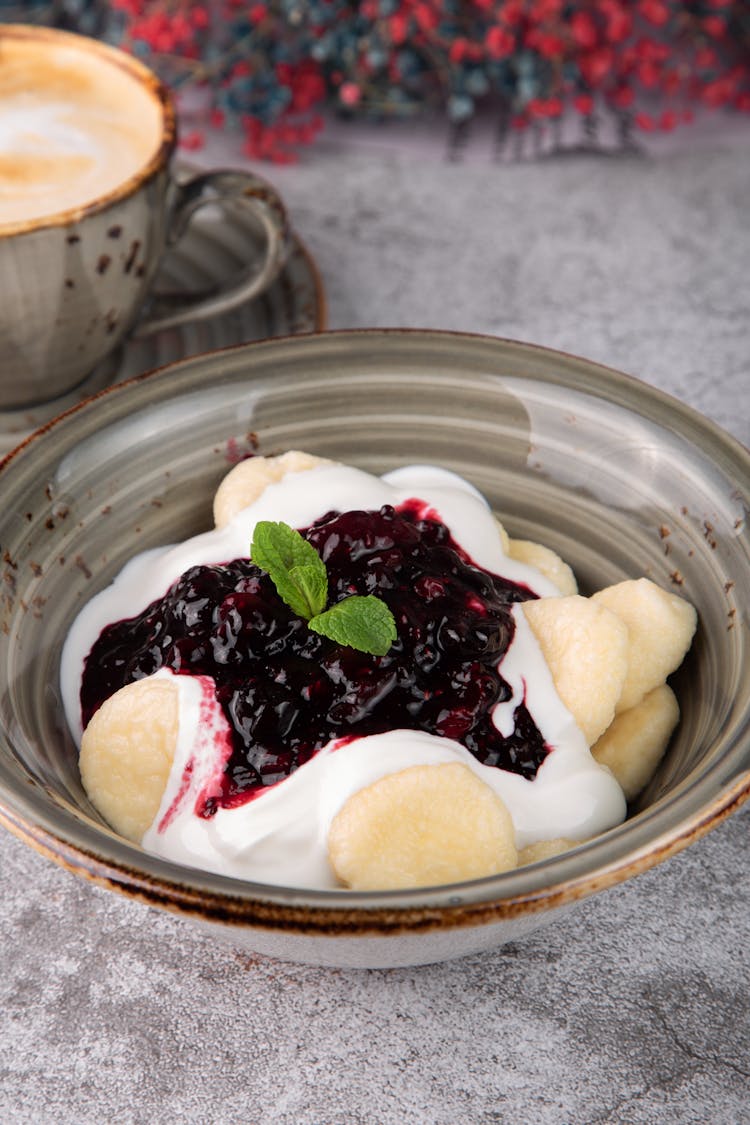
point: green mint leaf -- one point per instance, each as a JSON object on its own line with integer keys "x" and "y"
{"x": 364, "y": 623}
{"x": 301, "y": 580}
{"x": 293, "y": 565}
{"x": 312, "y": 583}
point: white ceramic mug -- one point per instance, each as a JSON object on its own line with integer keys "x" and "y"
{"x": 88, "y": 206}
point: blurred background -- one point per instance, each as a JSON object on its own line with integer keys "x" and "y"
{"x": 539, "y": 75}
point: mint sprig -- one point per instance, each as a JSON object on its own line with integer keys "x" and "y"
{"x": 301, "y": 580}
{"x": 293, "y": 565}
{"x": 364, "y": 623}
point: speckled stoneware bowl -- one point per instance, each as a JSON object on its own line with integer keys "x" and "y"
{"x": 616, "y": 477}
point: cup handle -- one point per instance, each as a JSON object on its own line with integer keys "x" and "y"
{"x": 222, "y": 188}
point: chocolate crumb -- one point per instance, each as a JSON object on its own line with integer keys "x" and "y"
{"x": 103, "y": 264}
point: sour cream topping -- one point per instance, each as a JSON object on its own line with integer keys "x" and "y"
{"x": 280, "y": 836}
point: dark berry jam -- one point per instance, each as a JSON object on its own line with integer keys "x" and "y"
{"x": 287, "y": 691}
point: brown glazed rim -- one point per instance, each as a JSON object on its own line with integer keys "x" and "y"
{"x": 140, "y": 74}
{"x": 379, "y": 914}
{"x": 351, "y": 920}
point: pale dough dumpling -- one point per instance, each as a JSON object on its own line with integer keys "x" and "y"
{"x": 586, "y": 649}
{"x": 247, "y": 480}
{"x": 634, "y": 744}
{"x": 423, "y": 826}
{"x": 660, "y": 629}
{"x": 127, "y": 752}
{"x": 546, "y": 562}
{"x": 545, "y": 849}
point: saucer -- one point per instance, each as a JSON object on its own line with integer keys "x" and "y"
{"x": 215, "y": 246}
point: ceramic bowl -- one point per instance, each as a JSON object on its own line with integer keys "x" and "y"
{"x": 615, "y": 476}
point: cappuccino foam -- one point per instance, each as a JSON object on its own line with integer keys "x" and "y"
{"x": 73, "y": 128}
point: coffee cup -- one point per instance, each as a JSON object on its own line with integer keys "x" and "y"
{"x": 89, "y": 205}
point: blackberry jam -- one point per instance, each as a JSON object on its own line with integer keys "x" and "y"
{"x": 287, "y": 691}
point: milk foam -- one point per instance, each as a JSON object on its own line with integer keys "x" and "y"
{"x": 280, "y": 835}
{"x": 73, "y": 127}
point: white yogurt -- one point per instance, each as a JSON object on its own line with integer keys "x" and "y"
{"x": 280, "y": 836}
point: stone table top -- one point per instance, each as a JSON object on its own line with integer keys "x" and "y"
{"x": 632, "y": 1009}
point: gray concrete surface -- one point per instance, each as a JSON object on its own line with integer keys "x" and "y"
{"x": 634, "y": 1009}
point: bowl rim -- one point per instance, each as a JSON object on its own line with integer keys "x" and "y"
{"x": 325, "y": 913}
{"x": 552, "y": 883}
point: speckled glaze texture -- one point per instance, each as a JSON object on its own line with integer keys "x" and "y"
{"x": 618, "y": 478}
{"x": 70, "y": 293}
{"x": 73, "y": 284}
{"x": 215, "y": 246}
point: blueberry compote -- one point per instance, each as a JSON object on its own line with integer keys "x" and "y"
{"x": 287, "y": 691}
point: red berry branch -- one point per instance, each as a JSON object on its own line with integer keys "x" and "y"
{"x": 271, "y": 67}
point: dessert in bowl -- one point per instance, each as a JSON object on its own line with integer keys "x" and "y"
{"x": 620, "y": 481}
{"x": 383, "y": 695}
